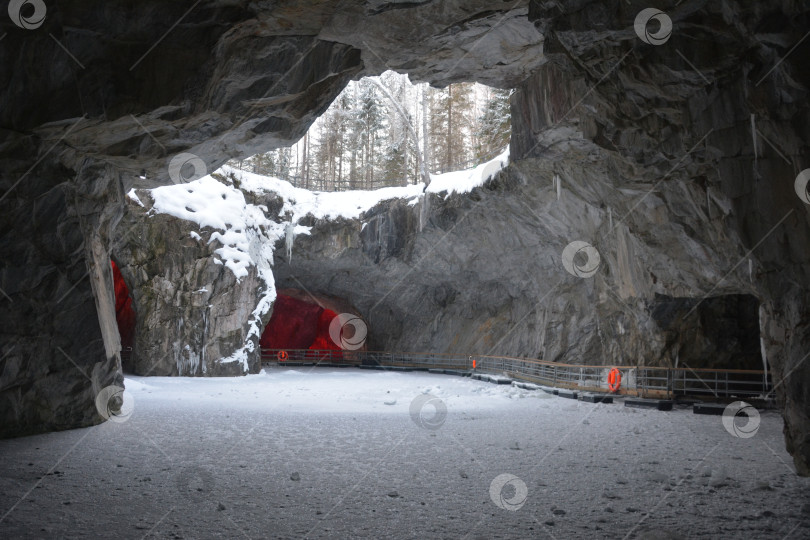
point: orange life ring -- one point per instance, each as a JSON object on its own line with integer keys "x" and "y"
{"x": 614, "y": 380}
{"x": 282, "y": 356}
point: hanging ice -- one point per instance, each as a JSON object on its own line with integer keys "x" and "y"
{"x": 762, "y": 348}
{"x": 290, "y": 238}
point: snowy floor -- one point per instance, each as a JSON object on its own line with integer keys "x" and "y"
{"x": 337, "y": 453}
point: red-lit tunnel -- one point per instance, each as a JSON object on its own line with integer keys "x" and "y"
{"x": 124, "y": 314}
{"x": 300, "y": 321}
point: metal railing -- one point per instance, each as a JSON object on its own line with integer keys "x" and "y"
{"x": 642, "y": 381}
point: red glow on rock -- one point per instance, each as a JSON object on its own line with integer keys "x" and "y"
{"x": 124, "y": 314}
{"x": 322, "y": 339}
{"x": 296, "y": 324}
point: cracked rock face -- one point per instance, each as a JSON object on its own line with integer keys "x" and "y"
{"x": 191, "y": 311}
{"x": 650, "y": 147}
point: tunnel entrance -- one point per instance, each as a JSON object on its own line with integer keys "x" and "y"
{"x": 302, "y": 321}
{"x": 720, "y": 332}
{"x": 124, "y": 316}
{"x": 298, "y": 324}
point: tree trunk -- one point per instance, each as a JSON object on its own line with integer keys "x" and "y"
{"x": 449, "y": 162}
{"x": 425, "y": 131}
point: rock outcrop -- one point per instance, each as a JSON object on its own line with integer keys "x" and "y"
{"x": 191, "y": 311}
{"x": 672, "y": 156}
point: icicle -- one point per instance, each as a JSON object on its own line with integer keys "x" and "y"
{"x": 762, "y": 348}
{"x": 750, "y": 270}
{"x": 290, "y": 239}
{"x": 204, "y": 335}
{"x": 754, "y": 138}
{"x": 610, "y": 218}
{"x": 423, "y": 211}
{"x": 558, "y": 183}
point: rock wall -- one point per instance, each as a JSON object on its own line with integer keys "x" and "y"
{"x": 58, "y": 332}
{"x": 191, "y": 311}
{"x": 484, "y": 273}
{"x": 717, "y": 110}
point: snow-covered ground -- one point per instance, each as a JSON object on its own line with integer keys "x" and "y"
{"x": 348, "y": 453}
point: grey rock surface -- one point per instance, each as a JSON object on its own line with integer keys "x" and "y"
{"x": 191, "y": 310}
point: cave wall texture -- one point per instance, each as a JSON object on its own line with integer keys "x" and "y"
{"x": 191, "y": 311}
{"x": 649, "y": 146}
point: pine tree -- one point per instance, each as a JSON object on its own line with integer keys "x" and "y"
{"x": 401, "y": 160}
{"x": 494, "y": 125}
{"x": 371, "y": 121}
{"x": 450, "y": 123}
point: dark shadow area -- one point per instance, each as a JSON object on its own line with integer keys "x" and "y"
{"x": 720, "y": 332}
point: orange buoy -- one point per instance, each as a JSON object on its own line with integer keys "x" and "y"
{"x": 614, "y": 380}
{"x": 282, "y": 356}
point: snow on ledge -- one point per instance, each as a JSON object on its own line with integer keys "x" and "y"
{"x": 466, "y": 181}
{"x": 320, "y": 204}
{"x": 134, "y": 197}
{"x": 351, "y": 204}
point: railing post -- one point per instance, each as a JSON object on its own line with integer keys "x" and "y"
{"x": 670, "y": 385}
{"x": 640, "y": 386}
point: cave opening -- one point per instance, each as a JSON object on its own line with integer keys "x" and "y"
{"x": 719, "y": 332}
{"x": 303, "y": 321}
{"x": 124, "y": 316}
{"x": 385, "y": 131}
